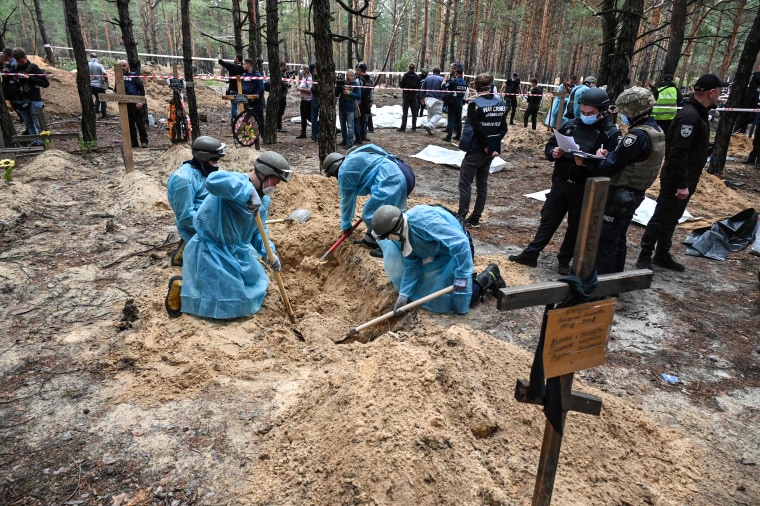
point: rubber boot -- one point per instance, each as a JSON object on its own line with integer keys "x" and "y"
{"x": 173, "y": 301}
{"x": 490, "y": 280}
{"x": 178, "y": 253}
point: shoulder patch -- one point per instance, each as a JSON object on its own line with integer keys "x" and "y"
{"x": 686, "y": 130}
{"x": 628, "y": 140}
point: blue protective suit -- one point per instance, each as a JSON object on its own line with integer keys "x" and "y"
{"x": 551, "y": 118}
{"x": 440, "y": 254}
{"x": 186, "y": 190}
{"x": 221, "y": 274}
{"x": 369, "y": 170}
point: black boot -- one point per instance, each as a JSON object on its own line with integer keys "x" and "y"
{"x": 490, "y": 281}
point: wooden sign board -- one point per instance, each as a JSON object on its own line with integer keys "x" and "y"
{"x": 576, "y": 337}
{"x": 122, "y": 98}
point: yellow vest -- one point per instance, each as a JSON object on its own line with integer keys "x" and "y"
{"x": 668, "y": 96}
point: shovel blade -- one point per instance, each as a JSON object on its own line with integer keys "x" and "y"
{"x": 300, "y": 215}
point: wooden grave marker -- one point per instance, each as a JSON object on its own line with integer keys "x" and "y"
{"x": 560, "y": 109}
{"x": 123, "y": 99}
{"x": 176, "y": 85}
{"x": 575, "y": 337}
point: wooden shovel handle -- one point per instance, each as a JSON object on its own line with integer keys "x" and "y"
{"x": 277, "y": 275}
{"x": 407, "y": 307}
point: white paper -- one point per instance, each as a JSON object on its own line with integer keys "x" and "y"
{"x": 443, "y": 156}
{"x": 565, "y": 142}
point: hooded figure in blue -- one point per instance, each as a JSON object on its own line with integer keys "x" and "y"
{"x": 222, "y": 275}
{"x": 427, "y": 249}
{"x": 368, "y": 170}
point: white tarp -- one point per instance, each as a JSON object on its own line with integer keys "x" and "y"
{"x": 642, "y": 215}
{"x": 387, "y": 117}
{"x": 443, "y": 156}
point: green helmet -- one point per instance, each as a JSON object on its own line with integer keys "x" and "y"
{"x": 205, "y": 148}
{"x": 332, "y": 163}
{"x": 635, "y": 102}
{"x": 387, "y": 220}
{"x": 595, "y": 97}
{"x": 270, "y": 163}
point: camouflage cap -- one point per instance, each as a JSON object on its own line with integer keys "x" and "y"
{"x": 635, "y": 101}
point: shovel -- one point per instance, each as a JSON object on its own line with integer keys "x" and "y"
{"x": 278, "y": 277}
{"x": 340, "y": 241}
{"x": 419, "y": 302}
{"x": 299, "y": 215}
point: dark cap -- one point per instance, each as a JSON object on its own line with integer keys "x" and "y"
{"x": 93, "y": 55}
{"x": 312, "y": 66}
{"x": 362, "y": 66}
{"x": 708, "y": 82}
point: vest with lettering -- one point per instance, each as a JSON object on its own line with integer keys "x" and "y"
{"x": 668, "y": 96}
{"x": 640, "y": 175}
{"x": 489, "y": 113}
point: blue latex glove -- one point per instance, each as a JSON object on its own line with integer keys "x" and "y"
{"x": 275, "y": 264}
{"x": 402, "y": 300}
{"x": 460, "y": 285}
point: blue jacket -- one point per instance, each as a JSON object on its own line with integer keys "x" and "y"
{"x": 221, "y": 274}
{"x": 440, "y": 254}
{"x": 346, "y": 102}
{"x": 186, "y": 190}
{"x": 431, "y": 87}
{"x": 369, "y": 170}
{"x": 133, "y": 85}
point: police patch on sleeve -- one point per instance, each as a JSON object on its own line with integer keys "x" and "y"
{"x": 686, "y": 130}
{"x": 628, "y": 140}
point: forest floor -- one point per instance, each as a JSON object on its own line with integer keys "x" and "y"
{"x": 106, "y": 400}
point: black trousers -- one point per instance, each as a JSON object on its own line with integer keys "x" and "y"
{"x": 564, "y": 198}
{"x": 613, "y": 244}
{"x": 658, "y": 236}
{"x": 406, "y": 104}
{"x": 532, "y": 113}
{"x": 512, "y": 101}
{"x": 475, "y": 165}
{"x": 136, "y": 125}
{"x": 305, "y": 111}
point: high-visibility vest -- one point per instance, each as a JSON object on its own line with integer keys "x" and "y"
{"x": 668, "y": 96}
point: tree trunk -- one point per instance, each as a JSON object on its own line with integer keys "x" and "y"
{"x": 349, "y": 42}
{"x": 425, "y": 29}
{"x": 739, "y": 90}
{"x": 187, "y": 63}
{"x": 275, "y": 89}
{"x": 254, "y": 31}
{"x": 325, "y": 76}
{"x": 473, "y": 45}
{"x": 444, "y": 35}
{"x": 677, "y": 30}
{"x": 83, "y": 72}
{"x": 43, "y": 33}
{"x": 6, "y": 122}
{"x": 68, "y": 32}
{"x": 127, "y": 35}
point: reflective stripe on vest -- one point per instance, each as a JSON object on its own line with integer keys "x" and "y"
{"x": 668, "y": 96}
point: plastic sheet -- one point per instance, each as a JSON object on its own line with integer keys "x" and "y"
{"x": 723, "y": 237}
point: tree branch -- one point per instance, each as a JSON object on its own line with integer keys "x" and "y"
{"x": 357, "y": 12}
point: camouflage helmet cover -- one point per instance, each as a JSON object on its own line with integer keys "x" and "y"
{"x": 635, "y": 101}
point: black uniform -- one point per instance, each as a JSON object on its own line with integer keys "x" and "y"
{"x": 534, "y": 102}
{"x": 511, "y": 90}
{"x": 687, "y": 146}
{"x": 632, "y": 166}
{"x": 410, "y": 82}
{"x": 568, "y": 184}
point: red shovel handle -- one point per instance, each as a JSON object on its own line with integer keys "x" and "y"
{"x": 340, "y": 241}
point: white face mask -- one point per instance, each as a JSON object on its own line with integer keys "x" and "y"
{"x": 394, "y": 237}
{"x": 269, "y": 190}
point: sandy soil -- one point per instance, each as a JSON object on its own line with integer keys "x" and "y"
{"x": 105, "y": 400}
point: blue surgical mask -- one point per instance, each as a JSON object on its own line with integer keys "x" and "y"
{"x": 624, "y": 119}
{"x": 588, "y": 120}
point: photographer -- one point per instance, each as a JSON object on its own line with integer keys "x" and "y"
{"x": 23, "y": 91}
{"x": 348, "y": 92}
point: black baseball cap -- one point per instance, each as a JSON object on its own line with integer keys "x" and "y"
{"x": 708, "y": 82}
{"x": 362, "y": 66}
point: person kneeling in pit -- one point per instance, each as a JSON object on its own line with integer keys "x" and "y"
{"x": 368, "y": 170}
{"x": 186, "y": 188}
{"x": 427, "y": 249}
{"x": 221, "y": 274}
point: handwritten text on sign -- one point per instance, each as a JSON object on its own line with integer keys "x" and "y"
{"x": 576, "y": 337}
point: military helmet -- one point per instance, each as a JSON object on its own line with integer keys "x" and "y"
{"x": 590, "y": 80}
{"x": 270, "y": 163}
{"x": 387, "y": 220}
{"x": 635, "y": 101}
{"x": 331, "y": 164}
{"x": 595, "y": 97}
{"x": 205, "y": 148}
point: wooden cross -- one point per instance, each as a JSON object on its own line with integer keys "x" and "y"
{"x": 561, "y": 108}
{"x": 239, "y": 98}
{"x": 123, "y": 99}
{"x": 576, "y": 336}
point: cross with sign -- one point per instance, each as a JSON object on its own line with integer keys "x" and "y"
{"x": 123, "y": 99}
{"x": 561, "y": 109}
{"x": 573, "y": 337}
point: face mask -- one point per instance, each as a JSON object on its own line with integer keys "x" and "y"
{"x": 394, "y": 237}
{"x": 624, "y": 119}
{"x": 269, "y": 190}
{"x": 588, "y": 120}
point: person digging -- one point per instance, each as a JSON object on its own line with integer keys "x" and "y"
{"x": 368, "y": 170}
{"x": 426, "y": 250}
{"x": 222, "y": 276}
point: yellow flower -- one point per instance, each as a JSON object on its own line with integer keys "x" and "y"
{"x": 7, "y": 163}
{"x": 44, "y": 133}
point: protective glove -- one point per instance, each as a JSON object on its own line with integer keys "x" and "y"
{"x": 275, "y": 264}
{"x": 460, "y": 285}
{"x": 347, "y": 231}
{"x": 402, "y": 300}
{"x": 254, "y": 203}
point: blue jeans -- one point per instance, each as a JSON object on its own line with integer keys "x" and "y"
{"x": 347, "y": 127}
{"x": 31, "y": 120}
